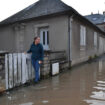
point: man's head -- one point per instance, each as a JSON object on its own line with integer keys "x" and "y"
{"x": 37, "y": 40}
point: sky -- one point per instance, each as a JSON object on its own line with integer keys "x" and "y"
{"x": 84, "y": 7}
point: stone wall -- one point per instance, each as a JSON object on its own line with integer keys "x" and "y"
{"x": 53, "y": 57}
{"x": 45, "y": 67}
{"x": 2, "y": 72}
{"x": 2, "y": 65}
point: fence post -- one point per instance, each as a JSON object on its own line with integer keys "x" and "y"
{"x": 6, "y": 71}
{"x": 23, "y": 68}
{"x": 15, "y": 69}
{"x": 10, "y": 71}
{"x": 19, "y": 68}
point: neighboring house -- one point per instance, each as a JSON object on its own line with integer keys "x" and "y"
{"x": 60, "y": 27}
{"x": 97, "y": 19}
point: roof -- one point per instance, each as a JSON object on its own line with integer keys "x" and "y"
{"x": 96, "y": 18}
{"x": 45, "y": 8}
{"x": 40, "y": 8}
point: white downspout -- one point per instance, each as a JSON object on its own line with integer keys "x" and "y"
{"x": 71, "y": 19}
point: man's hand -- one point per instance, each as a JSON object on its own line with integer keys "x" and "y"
{"x": 40, "y": 62}
{"x": 25, "y": 52}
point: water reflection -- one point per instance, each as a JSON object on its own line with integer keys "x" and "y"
{"x": 95, "y": 102}
{"x": 103, "y": 82}
{"x": 100, "y": 66}
{"x": 29, "y": 103}
{"x": 45, "y": 101}
{"x": 98, "y": 96}
{"x": 99, "y": 88}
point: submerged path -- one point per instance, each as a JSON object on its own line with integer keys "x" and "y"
{"x": 82, "y": 85}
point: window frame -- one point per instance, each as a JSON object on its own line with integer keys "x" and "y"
{"x": 82, "y": 35}
{"x": 95, "y": 39}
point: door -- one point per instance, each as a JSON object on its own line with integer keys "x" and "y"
{"x": 44, "y": 38}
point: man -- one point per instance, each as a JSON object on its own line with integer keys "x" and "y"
{"x": 37, "y": 56}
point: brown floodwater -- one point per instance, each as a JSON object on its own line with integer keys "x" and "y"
{"x": 82, "y": 85}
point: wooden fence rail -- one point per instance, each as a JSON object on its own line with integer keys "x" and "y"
{"x": 18, "y": 69}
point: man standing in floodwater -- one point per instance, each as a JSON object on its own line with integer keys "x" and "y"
{"x": 37, "y": 56}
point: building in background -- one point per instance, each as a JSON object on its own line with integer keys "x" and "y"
{"x": 97, "y": 19}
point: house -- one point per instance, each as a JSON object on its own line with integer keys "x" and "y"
{"x": 97, "y": 19}
{"x": 60, "y": 27}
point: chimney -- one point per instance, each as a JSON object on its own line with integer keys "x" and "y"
{"x": 91, "y": 13}
{"x": 98, "y": 12}
{"x": 104, "y": 13}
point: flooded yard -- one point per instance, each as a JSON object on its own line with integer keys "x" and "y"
{"x": 82, "y": 85}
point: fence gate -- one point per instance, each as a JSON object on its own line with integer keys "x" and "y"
{"x": 18, "y": 69}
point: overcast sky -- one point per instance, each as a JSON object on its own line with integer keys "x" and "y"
{"x": 84, "y": 7}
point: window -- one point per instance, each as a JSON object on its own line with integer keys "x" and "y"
{"x": 94, "y": 19}
{"x": 44, "y": 36}
{"x": 82, "y": 35}
{"x": 47, "y": 37}
{"x": 95, "y": 39}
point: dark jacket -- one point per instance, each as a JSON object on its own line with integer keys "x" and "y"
{"x": 37, "y": 51}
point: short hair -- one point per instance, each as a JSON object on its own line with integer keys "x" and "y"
{"x": 36, "y": 38}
